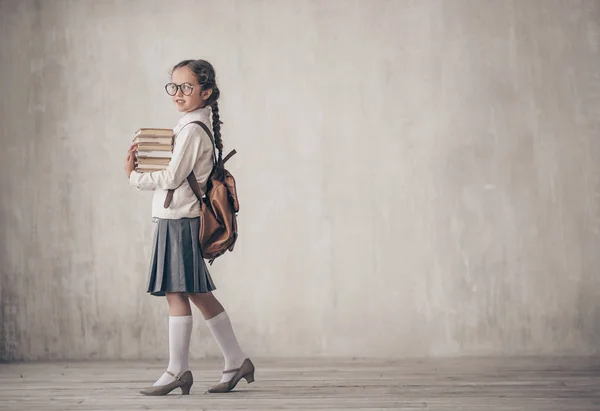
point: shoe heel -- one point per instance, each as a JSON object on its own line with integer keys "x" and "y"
{"x": 249, "y": 377}
{"x": 185, "y": 389}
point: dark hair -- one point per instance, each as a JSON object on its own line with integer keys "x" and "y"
{"x": 205, "y": 73}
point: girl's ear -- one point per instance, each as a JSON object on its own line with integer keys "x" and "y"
{"x": 205, "y": 94}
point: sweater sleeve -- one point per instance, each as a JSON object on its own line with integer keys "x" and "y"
{"x": 146, "y": 184}
{"x": 188, "y": 146}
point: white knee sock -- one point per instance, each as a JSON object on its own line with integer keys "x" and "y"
{"x": 220, "y": 326}
{"x": 180, "y": 332}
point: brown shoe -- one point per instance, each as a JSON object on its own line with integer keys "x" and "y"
{"x": 246, "y": 371}
{"x": 183, "y": 381}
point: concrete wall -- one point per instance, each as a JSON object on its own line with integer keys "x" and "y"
{"x": 417, "y": 178}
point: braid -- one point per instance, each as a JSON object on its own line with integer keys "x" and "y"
{"x": 216, "y": 123}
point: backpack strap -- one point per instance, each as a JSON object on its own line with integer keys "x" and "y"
{"x": 212, "y": 139}
{"x": 228, "y": 156}
{"x": 191, "y": 178}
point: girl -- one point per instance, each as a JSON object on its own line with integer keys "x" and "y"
{"x": 177, "y": 268}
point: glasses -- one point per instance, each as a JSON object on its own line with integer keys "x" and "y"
{"x": 186, "y": 88}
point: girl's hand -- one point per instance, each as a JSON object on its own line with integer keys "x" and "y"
{"x": 130, "y": 160}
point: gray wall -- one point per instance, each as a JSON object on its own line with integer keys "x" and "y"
{"x": 417, "y": 178}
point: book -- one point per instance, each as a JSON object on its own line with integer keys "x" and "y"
{"x": 157, "y": 132}
{"x": 148, "y": 168}
{"x": 167, "y": 141}
{"x": 153, "y": 154}
{"x": 152, "y": 161}
{"x": 154, "y": 147}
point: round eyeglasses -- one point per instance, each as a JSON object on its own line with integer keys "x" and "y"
{"x": 186, "y": 88}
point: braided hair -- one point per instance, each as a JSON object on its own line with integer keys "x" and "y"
{"x": 206, "y": 76}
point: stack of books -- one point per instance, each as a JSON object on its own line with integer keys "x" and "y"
{"x": 154, "y": 149}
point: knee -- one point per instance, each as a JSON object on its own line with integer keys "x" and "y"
{"x": 200, "y": 298}
{"x": 177, "y": 298}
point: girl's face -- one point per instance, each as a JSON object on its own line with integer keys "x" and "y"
{"x": 188, "y": 84}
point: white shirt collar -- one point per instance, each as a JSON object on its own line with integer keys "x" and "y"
{"x": 201, "y": 114}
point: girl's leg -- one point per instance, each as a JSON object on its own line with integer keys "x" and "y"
{"x": 220, "y": 325}
{"x": 180, "y": 332}
{"x": 179, "y": 304}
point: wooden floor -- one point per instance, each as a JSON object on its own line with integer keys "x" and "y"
{"x": 543, "y": 384}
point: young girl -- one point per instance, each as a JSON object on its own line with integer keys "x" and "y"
{"x": 177, "y": 268}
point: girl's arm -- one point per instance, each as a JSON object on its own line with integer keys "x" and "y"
{"x": 147, "y": 185}
{"x": 188, "y": 146}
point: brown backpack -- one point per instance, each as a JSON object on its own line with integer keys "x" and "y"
{"x": 218, "y": 209}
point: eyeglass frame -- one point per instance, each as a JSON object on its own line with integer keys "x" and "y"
{"x": 178, "y": 87}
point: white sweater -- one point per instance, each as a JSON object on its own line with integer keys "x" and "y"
{"x": 193, "y": 150}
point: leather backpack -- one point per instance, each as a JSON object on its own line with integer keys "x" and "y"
{"x": 218, "y": 208}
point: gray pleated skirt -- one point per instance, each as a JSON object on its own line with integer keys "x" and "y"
{"x": 177, "y": 264}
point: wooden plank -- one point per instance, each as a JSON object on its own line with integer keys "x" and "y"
{"x": 524, "y": 384}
